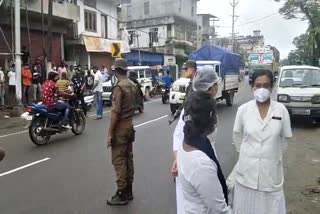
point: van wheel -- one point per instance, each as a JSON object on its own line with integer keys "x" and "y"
{"x": 147, "y": 94}
{"x": 230, "y": 98}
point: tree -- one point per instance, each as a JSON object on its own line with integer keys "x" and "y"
{"x": 305, "y": 10}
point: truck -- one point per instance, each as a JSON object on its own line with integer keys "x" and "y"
{"x": 222, "y": 61}
{"x": 267, "y": 57}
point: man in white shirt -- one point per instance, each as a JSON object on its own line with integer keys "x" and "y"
{"x": 12, "y": 85}
{"x": 2, "y": 86}
{"x": 98, "y": 89}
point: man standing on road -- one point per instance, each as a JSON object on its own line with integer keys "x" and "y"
{"x": 79, "y": 84}
{"x": 97, "y": 90}
{"x": 189, "y": 71}
{"x": 36, "y": 82}
{"x": 122, "y": 134}
{"x": 2, "y": 87}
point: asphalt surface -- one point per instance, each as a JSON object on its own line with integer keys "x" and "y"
{"x": 74, "y": 175}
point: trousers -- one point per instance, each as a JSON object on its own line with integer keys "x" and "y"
{"x": 99, "y": 104}
{"x": 122, "y": 161}
{"x": 2, "y": 93}
{"x": 36, "y": 91}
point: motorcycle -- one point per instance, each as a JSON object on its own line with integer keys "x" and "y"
{"x": 165, "y": 95}
{"x": 45, "y": 123}
{"x": 88, "y": 100}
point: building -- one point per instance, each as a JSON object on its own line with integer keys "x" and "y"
{"x": 33, "y": 33}
{"x": 246, "y": 43}
{"x": 89, "y": 41}
{"x": 159, "y": 26}
{"x": 206, "y": 30}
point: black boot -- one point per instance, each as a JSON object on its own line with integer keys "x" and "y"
{"x": 119, "y": 199}
{"x": 129, "y": 192}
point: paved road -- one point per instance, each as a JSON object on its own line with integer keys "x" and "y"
{"x": 74, "y": 174}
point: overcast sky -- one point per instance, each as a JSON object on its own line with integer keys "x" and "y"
{"x": 276, "y": 30}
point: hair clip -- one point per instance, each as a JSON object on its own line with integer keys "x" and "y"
{"x": 187, "y": 118}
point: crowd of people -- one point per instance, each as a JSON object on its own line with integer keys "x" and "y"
{"x": 34, "y": 76}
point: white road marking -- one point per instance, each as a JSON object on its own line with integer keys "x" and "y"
{"x": 23, "y": 167}
{"x": 150, "y": 121}
{"x": 12, "y": 134}
{"x": 93, "y": 115}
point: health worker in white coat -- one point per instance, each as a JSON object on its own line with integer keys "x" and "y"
{"x": 205, "y": 79}
{"x": 260, "y": 133}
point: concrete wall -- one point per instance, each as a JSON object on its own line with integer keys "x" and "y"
{"x": 103, "y": 8}
{"x": 65, "y": 10}
{"x": 160, "y": 8}
{"x": 144, "y": 37}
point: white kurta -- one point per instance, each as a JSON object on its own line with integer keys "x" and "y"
{"x": 178, "y": 137}
{"x": 259, "y": 171}
{"x": 201, "y": 187}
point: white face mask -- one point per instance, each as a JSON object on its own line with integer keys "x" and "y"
{"x": 262, "y": 95}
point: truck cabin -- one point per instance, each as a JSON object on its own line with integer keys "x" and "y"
{"x": 216, "y": 65}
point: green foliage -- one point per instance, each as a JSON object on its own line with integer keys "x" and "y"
{"x": 308, "y": 44}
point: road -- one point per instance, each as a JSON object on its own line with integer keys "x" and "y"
{"x": 74, "y": 175}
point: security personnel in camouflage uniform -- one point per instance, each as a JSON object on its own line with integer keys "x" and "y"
{"x": 189, "y": 71}
{"x": 122, "y": 134}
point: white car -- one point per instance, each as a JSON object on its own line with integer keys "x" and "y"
{"x": 143, "y": 74}
{"x": 298, "y": 88}
{"x": 178, "y": 93}
{"x": 107, "y": 90}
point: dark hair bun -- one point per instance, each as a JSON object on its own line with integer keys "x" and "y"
{"x": 200, "y": 108}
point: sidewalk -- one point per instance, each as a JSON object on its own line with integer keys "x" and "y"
{"x": 9, "y": 124}
{"x": 302, "y": 172}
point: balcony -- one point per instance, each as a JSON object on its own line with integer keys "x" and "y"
{"x": 61, "y": 9}
{"x": 210, "y": 31}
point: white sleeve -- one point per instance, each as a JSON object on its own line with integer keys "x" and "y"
{"x": 286, "y": 131}
{"x": 178, "y": 134}
{"x": 206, "y": 182}
{"x": 238, "y": 130}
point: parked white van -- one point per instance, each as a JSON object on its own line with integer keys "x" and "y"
{"x": 298, "y": 88}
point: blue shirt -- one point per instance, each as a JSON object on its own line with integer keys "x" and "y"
{"x": 168, "y": 81}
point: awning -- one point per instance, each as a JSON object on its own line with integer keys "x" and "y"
{"x": 97, "y": 44}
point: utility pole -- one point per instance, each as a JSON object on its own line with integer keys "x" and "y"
{"x": 49, "y": 38}
{"x": 17, "y": 17}
{"x": 234, "y": 4}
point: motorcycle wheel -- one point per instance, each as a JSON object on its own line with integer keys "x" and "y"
{"x": 78, "y": 123}
{"x": 141, "y": 107}
{"x": 34, "y": 130}
{"x": 165, "y": 99}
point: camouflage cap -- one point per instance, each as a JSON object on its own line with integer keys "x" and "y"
{"x": 190, "y": 64}
{"x": 121, "y": 63}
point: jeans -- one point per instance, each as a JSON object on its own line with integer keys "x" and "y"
{"x": 99, "y": 104}
{"x": 2, "y": 92}
{"x": 12, "y": 95}
{"x": 26, "y": 94}
{"x": 62, "y": 106}
{"x": 36, "y": 90}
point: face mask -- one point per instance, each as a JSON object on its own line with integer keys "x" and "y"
{"x": 262, "y": 95}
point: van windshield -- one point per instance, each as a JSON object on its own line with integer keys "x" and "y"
{"x": 300, "y": 78}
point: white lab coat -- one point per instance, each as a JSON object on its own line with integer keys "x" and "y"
{"x": 259, "y": 171}
{"x": 178, "y": 137}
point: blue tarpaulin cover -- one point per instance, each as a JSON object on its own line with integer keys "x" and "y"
{"x": 230, "y": 62}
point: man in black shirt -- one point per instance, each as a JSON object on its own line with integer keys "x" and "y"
{"x": 36, "y": 81}
{"x": 79, "y": 84}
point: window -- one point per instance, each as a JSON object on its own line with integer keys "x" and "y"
{"x": 90, "y": 20}
{"x": 192, "y": 10}
{"x": 90, "y": 3}
{"x": 153, "y": 35}
{"x": 131, "y": 37}
{"x": 104, "y": 26}
{"x": 169, "y": 30}
{"x": 129, "y": 11}
{"x": 146, "y": 8}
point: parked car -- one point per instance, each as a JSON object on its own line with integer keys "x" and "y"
{"x": 298, "y": 88}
